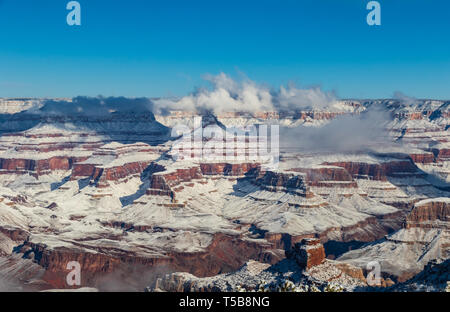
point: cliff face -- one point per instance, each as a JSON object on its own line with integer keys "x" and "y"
{"x": 442, "y": 154}
{"x": 102, "y": 176}
{"x": 327, "y": 176}
{"x": 380, "y": 171}
{"x": 435, "y": 155}
{"x": 434, "y": 278}
{"x": 226, "y": 169}
{"x": 426, "y": 212}
{"x": 16, "y": 234}
{"x": 35, "y": 167}
{"x": 274, "y": 180}
{"x": 404, "y": 253}
{"x": 85, "y": 171}
{"x": 167, "y": 184}
{"x": 425, "y": 158}
{"x": 279, "y": 181}
{"x": 76, "y": 165}
{"x": 181, "y": 175}
{"x": 225, "y": 253}
{"x": 368, "y": 230}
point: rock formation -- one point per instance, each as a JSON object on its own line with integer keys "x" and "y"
{"x": 308, "y": 253}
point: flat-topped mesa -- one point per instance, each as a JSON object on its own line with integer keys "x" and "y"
{"x": 36, "y": 143}
{"x": 35, "y": 167}
{"x": 174, "y": 177}
{"x": 307, "y": 253}
{"x": 427, "y": 213}
{"x": 101, "y": 176}
{"x": 227, "y": 169}
{"x": 413, "y": 115}
{"x": 121, "y": 172}
{"x": 82, "y": 170}
{"x": 299, "y": 114}
{"x": 425, "y": 114}
{"x": 280, "y": 181}
{"x": 379, "y": 171}
{"x": 266, "y": 115}
{"x": 177, "y": 176}
{"x": 165, "y": 182}
{"x": 433, "y": 155}
{"x": 423, "y": 158}
{"x": 115, "y": 162}
{"x": 70, "y": 117}
{"x": 327, "y": 176}
{"x": 316, "y": 115}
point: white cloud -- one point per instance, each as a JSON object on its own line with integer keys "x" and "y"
{"x": 228, "y": 95}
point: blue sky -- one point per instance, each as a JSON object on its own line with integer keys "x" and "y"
{"x": 163, "y": 48}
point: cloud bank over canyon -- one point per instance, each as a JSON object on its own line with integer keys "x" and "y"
{"x": 228, "y": 95}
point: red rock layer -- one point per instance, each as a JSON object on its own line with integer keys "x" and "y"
{"x": 166, "y": 183}
{"x": 428, "y": 212}
{"x": 227, "y": 169}
{"x": 308, "y": 253}
{"x": 36, "y": 167}
{"x": 324, "y": 177}
{"x": 378, "y": 171}
{"x": 101, "y": 176}
{"x": 317, "y": 115}
{"x": 15, "y": 234}
{"x": 303, "y": 115}
{"x": 425, "y": 158}
{"x": 225, "y": 254}
{"x": 442, "y": 154}
{"x": 273, "y": 181}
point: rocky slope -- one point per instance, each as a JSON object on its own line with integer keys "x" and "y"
{"x": 403, "y": 254}
{"x": 434, "y": 277}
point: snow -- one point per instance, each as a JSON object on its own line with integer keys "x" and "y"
{"x": 81, "y": 289}
{"x": 445, "y": 200}
{"x": 83, "y": 213}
